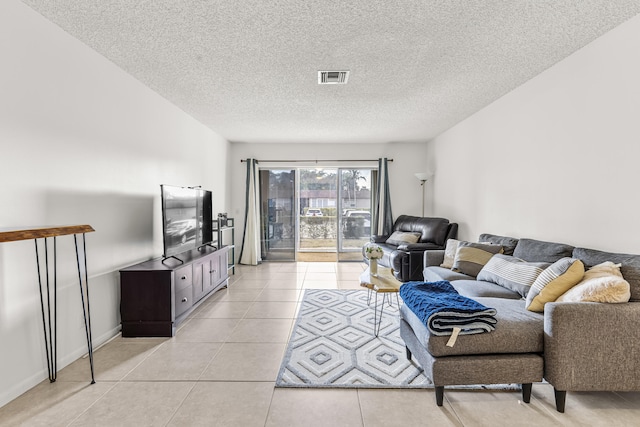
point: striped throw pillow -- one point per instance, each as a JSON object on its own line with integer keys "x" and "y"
{"x": 471, "y": 257}
{"x": 554, "y": 281}
{"x": 512, "y": 273}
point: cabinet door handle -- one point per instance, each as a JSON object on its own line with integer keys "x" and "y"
{"x": 212, "y": 271}
{"x": 184, "y": 299}
{"x": 184, "y": 277}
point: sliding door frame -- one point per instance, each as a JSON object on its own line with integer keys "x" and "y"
{"x": 296, "y": 205}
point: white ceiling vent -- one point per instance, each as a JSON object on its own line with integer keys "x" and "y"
{"x": 333, "y": 77}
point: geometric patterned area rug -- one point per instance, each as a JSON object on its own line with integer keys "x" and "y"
{"x": 333, "y": 346}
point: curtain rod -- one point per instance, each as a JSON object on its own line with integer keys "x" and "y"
{"x": 313, "y": 161}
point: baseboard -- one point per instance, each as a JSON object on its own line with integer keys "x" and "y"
{"x": 35, "y": 379}
{"x": 81, "y": 352}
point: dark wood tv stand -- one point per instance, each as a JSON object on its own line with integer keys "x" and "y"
{"x": 155, "y": 296}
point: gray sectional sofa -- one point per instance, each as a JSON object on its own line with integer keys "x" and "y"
{"x": 574, "y": 346}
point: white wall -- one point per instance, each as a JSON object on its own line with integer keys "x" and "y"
{"x": 408, "y": 158}
{"x": 557, "y": 158}
{"x": 81, "y": 141}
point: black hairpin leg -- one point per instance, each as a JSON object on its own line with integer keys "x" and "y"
{"x": 377, "y": 320}
{"x": 375, "y": 316}
{"x": 86, "y": 312}
{"x": 47, "y": 305}
{"x": 49, "y": 325}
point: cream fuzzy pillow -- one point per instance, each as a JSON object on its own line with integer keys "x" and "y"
{"x": 601, "y": 283}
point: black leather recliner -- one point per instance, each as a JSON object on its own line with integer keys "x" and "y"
{"x": 406, "y": 260}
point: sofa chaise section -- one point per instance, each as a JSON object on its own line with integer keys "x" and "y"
{"x": 511, "y": 354}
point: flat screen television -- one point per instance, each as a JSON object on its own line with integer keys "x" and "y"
{"x": 187, "y": 218}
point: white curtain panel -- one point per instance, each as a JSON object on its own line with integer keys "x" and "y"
{"x": 250, "y": 253}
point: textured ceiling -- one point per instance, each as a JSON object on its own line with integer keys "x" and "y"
{"x": 248, "y": 69}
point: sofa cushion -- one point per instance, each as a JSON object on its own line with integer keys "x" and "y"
{"x": 435, "y": 274}
{"x": 450, "y": 253}
{"x": 630, "y": 266}
{"x": 432, "y": 257}
{"x": 512, "y": 273}
{"x": 508, "y": 243}
{"x": 540, "y": 251}
{"x": 478, "y": 288}
{"x": 601, "y": 283}
{"x": 555, "y": 280}
{"x": 517, "y": 331}
{"x": 471, "y": 257}
{"x": 398, "y": 238}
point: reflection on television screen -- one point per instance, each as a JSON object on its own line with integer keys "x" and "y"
{"x": 187, "y": 217}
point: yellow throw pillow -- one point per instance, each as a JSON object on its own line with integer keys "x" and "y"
{"x": 554, "y": 281}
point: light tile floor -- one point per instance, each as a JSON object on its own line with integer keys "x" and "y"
{"x": 221, "y": 367}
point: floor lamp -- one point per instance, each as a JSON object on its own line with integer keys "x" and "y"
{"x": 422, "y": 176}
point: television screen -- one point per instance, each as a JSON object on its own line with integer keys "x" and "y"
{"x": 205, "y": 215}
{"x": 187, "y": 217}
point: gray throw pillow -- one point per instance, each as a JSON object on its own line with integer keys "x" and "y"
{"x": 630, "y": 266}
{"x": 471, "y": 257}
{"x": 540, "y": 251}
{"x": 508, "y": 243}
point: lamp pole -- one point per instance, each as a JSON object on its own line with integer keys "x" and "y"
{"x": 422, "y": 176}
{"x": 422, "y": 185}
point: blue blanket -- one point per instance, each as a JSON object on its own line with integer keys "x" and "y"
{"x": 441, "y": 308}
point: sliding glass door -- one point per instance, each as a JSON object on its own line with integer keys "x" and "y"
{"x": 318, "y": 229}
{"x": 278, "y": 211}
{"x": 355, "y": 212}
{"x": 315, "y": 214}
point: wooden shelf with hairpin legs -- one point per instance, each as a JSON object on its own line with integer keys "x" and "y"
{"x": 48, "y": 282}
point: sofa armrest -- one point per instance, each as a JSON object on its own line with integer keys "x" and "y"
{"x": 592, "y": 346}
{"x": 418, "y": 247}
{"x": 378, "y": 238}
{"x": 433, "y": 257}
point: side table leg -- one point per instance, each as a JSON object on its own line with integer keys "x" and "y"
{"x": 49, "y": 326}
{"x": 375, "y": 316}
{"x": 377, "y": 319}
{"x": 85, "y": 302}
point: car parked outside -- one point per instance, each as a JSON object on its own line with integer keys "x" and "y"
{"x": 313, "y": 212}
{"x": 356, "y": 224}
{"x": 361, "y": 214}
